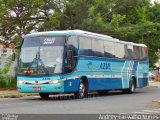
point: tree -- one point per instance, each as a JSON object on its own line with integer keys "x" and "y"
{"x": 154, "y": 12}
{"x": 19, "y": 17}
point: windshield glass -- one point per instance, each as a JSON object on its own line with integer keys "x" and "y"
{"x": 41, "y": 55}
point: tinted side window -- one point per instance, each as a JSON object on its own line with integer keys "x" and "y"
{"x": 72, "y": 44}
{"x": 85, "y": 46}
{"x": 119, "y": 50}
{"x": 97, "y": 48}
{"x": 143, "y": 53}
{"x": 129, "y": 52}
{"x": 109, "y": 49}
{"x": 136, "y": 52}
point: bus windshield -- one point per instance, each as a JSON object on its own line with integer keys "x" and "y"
{"x": 41, "y": 55}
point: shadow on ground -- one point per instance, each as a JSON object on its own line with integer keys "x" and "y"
{"x": 93, "y": 95}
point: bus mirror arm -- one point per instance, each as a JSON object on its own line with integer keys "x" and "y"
{"x": 18, "y": 47}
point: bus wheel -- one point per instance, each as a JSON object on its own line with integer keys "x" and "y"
{"x": 82, "y": 91}
{"x": 102, "y": 92}
{"x": 44, "y": 95}
{"x": 131, "y": 88}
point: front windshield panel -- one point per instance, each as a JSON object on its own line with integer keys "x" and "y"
{"x": 41, "y": 55}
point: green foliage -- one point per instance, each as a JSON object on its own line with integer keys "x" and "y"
{"x": 154, "y": 13}
{"x": 117, "y": 19}
{"x": 7, "y": 82}
{"x": 11, "y": 82}
{"x": 5, "y": 69}
{"x": 2, "y": 81}
{"x": 19, "y": 17}
{"x": 94, "y": 22}
{"x": 52, "y": 23}
{"x": 129, "y": 20}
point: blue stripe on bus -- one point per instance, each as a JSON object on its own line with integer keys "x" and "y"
{"x": 104, "y": 83}
{"x": 94, "y": 84}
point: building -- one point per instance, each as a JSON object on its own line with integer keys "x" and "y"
{"x": 6, "y": 51}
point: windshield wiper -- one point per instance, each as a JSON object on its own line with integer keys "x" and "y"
{"x": 37, "y": 60}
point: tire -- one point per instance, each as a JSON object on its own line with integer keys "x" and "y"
{"x": 102, "y": 92}
{"x": 82, "y": 92}
{"x": 44, "y": 95}
{"x": 131, "y": 88}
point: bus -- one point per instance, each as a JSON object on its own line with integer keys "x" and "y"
{"x": 78, "y": 62}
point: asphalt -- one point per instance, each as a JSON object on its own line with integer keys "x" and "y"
{"x": 113, "y": 102}
{"x": 155, "y": 84}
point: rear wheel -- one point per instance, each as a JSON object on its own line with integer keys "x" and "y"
{"x": 44, "y": 95}
{"x": 82, "y": 91}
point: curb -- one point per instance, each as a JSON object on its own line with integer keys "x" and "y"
{"x": 16, "y": 96}
{"x": 156, "y": 101}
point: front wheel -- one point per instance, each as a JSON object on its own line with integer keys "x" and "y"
{"x": 44, "y": 95}
{"x": 131, "y": 88}
{"x": 82, "y": 91}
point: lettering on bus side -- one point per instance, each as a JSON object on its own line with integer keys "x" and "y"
{"x": 105, "y": 66}
{"x": 46, "y": 78}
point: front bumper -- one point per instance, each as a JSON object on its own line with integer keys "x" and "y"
{"x": 44, "y": 88}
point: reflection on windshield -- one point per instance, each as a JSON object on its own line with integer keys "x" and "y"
{"x": 41, "y": 55}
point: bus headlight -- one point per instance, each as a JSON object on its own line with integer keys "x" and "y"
{"x": 55, "y": 81}
{"x": 21, "y": 82}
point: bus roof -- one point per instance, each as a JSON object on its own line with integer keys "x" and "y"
{"x": 82, "y": 33}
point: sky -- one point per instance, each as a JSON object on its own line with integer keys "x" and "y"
{"x": 152, "y": 1}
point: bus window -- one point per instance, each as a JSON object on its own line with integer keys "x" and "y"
{"x": 119, "y": 50}
{"x": 136, "y": 51}
{"x": 129, "y": 52}
{"x": 109, "y": 49}
{"x": 72, "y": 49}
{"x": 143, "y": 53}
{"x": 85, "y": 46}
{"x": 97, "y": 48}
{"x": 126, "y": 51}
{"x": 72, "y": 44}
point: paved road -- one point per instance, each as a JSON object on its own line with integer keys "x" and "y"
{"x": 140, "y": 102}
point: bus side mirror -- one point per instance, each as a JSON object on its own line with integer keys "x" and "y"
{"x": 18, "y": 47}
{"x": 69, "y": 58}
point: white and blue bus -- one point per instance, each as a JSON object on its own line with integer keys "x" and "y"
{"x": 76, "y": 61}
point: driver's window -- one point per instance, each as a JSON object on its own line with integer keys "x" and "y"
{"x": 72, "y": 50}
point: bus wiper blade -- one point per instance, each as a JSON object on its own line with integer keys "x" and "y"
{"x": 43, "y": 67}
{"x": 42, "y": 64}
{"x": 37, "y": 60}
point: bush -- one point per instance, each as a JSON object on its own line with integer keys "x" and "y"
{"x": 11, "y": 82}
{"x": 7, "y": 65}
{"x": 2, "y": 82}
{"x": 7, "y": 82}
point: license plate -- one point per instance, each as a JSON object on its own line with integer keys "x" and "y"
{"x": 37, "y": 88}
